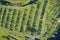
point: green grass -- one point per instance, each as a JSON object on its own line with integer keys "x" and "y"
{"x": 3, "y": 32}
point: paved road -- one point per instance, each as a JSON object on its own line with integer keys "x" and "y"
{"x": 11, "y": 6}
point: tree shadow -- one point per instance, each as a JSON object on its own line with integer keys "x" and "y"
{"x": 6, "y": 37}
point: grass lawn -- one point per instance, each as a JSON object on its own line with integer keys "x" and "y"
{"x": 3, "y": 33}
